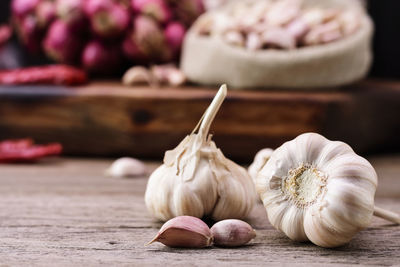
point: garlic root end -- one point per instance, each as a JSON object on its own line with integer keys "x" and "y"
{"x": 152, "y": 241}
{"x": 387, "y": 215}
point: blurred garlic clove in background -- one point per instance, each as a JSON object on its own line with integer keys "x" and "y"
{"x": 234, "y": 37}
{"x": 126, "y": 167}
{"x": 254, "y": 41}
{"x": 282, "y": 12}
{"x": 297, "y": 28}
{"x": 278, "y": 37}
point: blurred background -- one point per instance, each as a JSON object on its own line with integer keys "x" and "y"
{"x": 108, "y": 78}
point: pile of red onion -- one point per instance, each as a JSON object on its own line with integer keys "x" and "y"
{"x": 100, "y": 35}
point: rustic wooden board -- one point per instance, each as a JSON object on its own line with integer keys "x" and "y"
{"x": 66, "y": 213}
{"x": 106, "y": 118}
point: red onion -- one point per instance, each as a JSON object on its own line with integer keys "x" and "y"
{"x": 21, "y": 8}
{"x": 187, "y": 11}
{"x": 174, "y": 33}
{"x": 132, "y": 51}
{"x": 99, "y": 58}
{"x": 45, "y": 13}
{"x": 158, "y": 9}
{"x": 71, "y": 11}
{"x": 150, "y": 39}
{"x": 61, "y": 44}
{"x": 145, "y": 31}
{"x": 107, "y": 18}
{"x": 29, "y": 32}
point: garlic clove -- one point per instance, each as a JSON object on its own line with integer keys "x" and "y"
{"x": 337, "y": 225}
{"x": 323, "y": 33}
{"x": 126, "y": 167}
{"x": 297, "y": 28}
{"x": 232, "y": 233}
{"x": 278, "y": 37}
{"x": 350, "y": 21}
{"x": 260, "y": 160}
{"x": 253, "y": 41}
{"x": 292, "y": 224}
{"x": 282, "y": 12}
{"x": 137, "y": 75}
{"x": 234, "y": 37}
{"x": 184, "y": 231}
{"x": 313, "y": 16}
{"x": 168, "y": 74}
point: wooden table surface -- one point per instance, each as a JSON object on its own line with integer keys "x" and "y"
{"x": 66, "y": 212}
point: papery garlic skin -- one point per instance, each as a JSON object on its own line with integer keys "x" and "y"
{"x": 184, "y": 231}
{"x": 260, "y": 159}
{"x": 197, "y": 180}
{"x": 318, "y": 190}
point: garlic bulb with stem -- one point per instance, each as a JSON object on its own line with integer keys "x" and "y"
{"x": 197, "y": 180}
{"x": 319, "y": 190}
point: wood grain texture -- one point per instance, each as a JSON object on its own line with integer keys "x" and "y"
{"x": 67, "y": 213}
{"x": 106, "y": 118}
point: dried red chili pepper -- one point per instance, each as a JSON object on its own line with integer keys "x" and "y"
{"x": 52, "y": 74}
{"x": 24, "y": 150}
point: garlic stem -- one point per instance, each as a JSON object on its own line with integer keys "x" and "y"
{"x": 212, "y": 111}
{"x": 387, "y": 215}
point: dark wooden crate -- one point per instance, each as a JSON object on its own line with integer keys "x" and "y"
{"x": 108, "y": 119}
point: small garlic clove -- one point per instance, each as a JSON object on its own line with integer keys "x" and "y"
{"x": 232, "y": 233}
{"x": 278, "y": 37}
{"x": 127, "y": 167}
{"x": 282, "y": 12}
{"x": 184, "y": 232}
{"x": 313, "y": 17}
{"x": 253, "y": 41}
{"x": 234, "y": 37}
{"x": 203, "y": 24}
{"x": 213, "y": 4}
{"x": 168, "y": 74}
{"x": 323, "y": 33}
{"x": 297, "y": 28}
{"x": 349, "y": 21}
{"x": 221, "y": 22}
{"x": 137, "y": 75}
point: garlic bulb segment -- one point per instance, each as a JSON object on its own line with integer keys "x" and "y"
{"x": 197, "y": 180}
{"x": 318, "y": 190}
{"x": 260, "y": 160}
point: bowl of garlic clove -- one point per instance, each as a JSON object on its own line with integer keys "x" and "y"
{"x": 282, "y": 44}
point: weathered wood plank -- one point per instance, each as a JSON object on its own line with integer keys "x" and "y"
{"x": 66, "y": 212}
{"x": 110, "y": 119}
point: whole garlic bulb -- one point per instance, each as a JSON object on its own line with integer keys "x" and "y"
{"x": 318, "y": 190}
{"x": 197, "y": 180}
